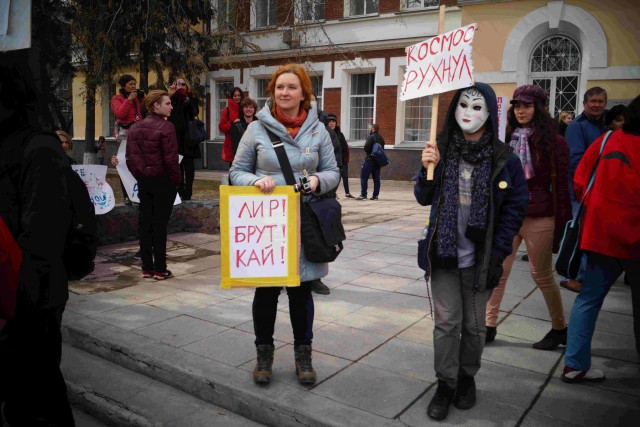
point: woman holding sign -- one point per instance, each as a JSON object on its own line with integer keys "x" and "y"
{"x": 293, "y": 118}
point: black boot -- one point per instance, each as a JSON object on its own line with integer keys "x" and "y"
{"x": 304, "y": 368}
{"x": 492, "y": 331}
{"x": 439, "y": 407}
{"x": 465, "y": 393}
{"x": 264, "y": 363}
{"x": 552, "y": 340}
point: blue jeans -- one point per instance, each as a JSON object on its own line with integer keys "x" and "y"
{"x": 602, "y": 271}
{"x": 369, "y": 167}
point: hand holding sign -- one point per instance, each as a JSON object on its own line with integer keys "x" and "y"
{"x": 437, "y": 65}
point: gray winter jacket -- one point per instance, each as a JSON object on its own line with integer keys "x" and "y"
{"x": 310, "y": 150}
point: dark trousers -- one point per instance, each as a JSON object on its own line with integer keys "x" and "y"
{"x": 301, "y": 312}
{"x": 156, "y": 203}
{"x": 31, "y": 383}
{"x": 369, "y": 167}
{"x": 188, "y": 170}
{"x": 344, "y": 174}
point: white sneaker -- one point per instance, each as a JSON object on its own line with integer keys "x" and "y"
{"x": 574, "y": 376}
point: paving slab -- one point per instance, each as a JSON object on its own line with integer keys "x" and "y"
{"x": 180, "y": 331}
{"x": 575, "y": 403}
{"x": 134, "y": 316}
{"x": 373, "y": 390}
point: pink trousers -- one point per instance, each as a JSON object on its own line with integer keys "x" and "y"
{"x": 538, "y": 237}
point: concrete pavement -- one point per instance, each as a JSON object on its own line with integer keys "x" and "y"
{"x": 373, "y": 345}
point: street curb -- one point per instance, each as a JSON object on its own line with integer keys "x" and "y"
{"x": 213, "y": 382}
{"x": 120, "y": 397}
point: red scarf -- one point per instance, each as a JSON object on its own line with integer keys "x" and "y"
{"x": 292, "y": 125}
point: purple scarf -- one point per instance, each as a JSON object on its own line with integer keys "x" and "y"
{"x": 520, "y": 144}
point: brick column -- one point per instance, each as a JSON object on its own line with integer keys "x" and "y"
{"x": 386, "y": 108}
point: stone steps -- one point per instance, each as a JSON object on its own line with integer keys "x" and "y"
{"x": 196, "y": 378}
{"x": 119, "y": 396}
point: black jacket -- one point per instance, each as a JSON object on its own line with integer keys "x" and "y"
{"x": 337, "y": 149}
{"x": 35, "y": 205}
{"x": 185, "y": 109}
{"x": 237, "y": 130}
{"x": 344, "y": 147}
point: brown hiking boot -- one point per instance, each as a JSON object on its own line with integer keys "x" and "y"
{"x": 304, "y": 369}
{"x": 264, "y": 363}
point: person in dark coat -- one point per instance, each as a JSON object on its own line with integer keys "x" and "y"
{"x": 469, "y": 235}
{"x": 185, "y": 109}
{"x": 344, "y": 152}
{"x": 35, "y": 205}
{"x": 370, "y": 168}
{"x": 152, "y": 158}
{"x": 248, "y": 108}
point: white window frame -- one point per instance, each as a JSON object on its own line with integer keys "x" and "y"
{"x": 553, "y": 76}
{"x": 310, "y": 5}
{"x": 228, "y": 14}
{"x": 271, "y": 5}
{"x": 350, "y": 96}
{"x": 426, "y": 119}
{"x": 319, "y": 95}
{"x": 261, "y": 98}
{"x": 422, "y": 4}
{"x": 348, "y": 4}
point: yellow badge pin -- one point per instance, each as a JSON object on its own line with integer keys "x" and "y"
{"x": 502, "y": 185}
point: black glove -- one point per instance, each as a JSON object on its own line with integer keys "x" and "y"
{"x": 495, "y": 272}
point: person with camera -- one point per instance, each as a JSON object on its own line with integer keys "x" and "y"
{"x": 185, "y": 109}
{"x": 292, "y": 117}
{"x": 152, "y": 158}
{"x": 127, "y": 109}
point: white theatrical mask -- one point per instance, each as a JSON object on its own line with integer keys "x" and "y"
{"x": 472, "y": 111}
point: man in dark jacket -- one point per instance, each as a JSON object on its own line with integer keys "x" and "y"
{"x": 185, "y": 109}
{"x": 344, "y": 152}
{"x": 370, "y": 167}
{"x": 152, "y": 158}
{"x": 35, "y": 206}
{"x": 580, "y": 134}
{"x": 469, "y": 235}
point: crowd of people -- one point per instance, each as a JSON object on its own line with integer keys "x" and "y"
{"x": 487, "y": 197}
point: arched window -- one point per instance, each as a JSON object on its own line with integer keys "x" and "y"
{"x": 555, "y": 67}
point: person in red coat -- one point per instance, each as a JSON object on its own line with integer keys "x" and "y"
{"x": 152, "y": 158}
{"x": 127, "y": 109}
{"x": 610, "y": 236}
{"x": 230, "y": 115}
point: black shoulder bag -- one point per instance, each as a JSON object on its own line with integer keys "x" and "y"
{"x": 321, "y": 227}
{"x": 570, "y": 254}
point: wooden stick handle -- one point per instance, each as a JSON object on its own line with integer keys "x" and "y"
{"x": 434, "y": 104}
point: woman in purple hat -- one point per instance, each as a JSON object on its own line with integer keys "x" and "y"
{"x": 545, "y": 159}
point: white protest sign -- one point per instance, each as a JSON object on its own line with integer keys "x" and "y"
{"x": 15, "y": 25}
{"x": 129, "y": 182}
{"x": 259, "y": 237}
{"x": 439, "y": 64}
{"x": 100, "y": 192}
{"x": 503, "y": 106}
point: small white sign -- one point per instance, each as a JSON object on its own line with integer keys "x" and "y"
{"x": 439, "y": 64}
{"x": 100, "y": 192}
{"x": 503, "y": 106}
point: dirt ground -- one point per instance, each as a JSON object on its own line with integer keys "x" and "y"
{"x": 202, "y": 190}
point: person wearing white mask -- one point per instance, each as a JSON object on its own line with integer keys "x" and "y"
{"x": 469, "y": 234}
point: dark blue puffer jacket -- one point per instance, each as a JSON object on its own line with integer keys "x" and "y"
{"x": 508, "y": 194}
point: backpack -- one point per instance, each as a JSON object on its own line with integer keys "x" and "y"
{"x": 379, "y": 156}
{"x": 81, "y": 244}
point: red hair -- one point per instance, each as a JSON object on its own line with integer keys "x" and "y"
{"x": 305, "y": 82}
